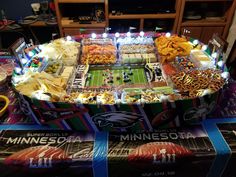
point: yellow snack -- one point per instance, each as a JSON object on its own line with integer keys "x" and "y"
{"x": 46, "y": 83}
{"x": 170, "y": 47}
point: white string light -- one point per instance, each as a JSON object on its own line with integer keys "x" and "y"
{"x": 24, "y": 61}
{"x": 168, "y": 34}
{"x": 93, "y": 35}
{"x": 204, "y": 47}
{"x": 221, "y": 63}
{"x": 117, "y": 34}
{"x": 31, "y": 53}
{"x": 104, "y": 35}
{"x": 40, "y": 47}
{"x": 68, "y": 38}
{"x": 225, "y": 75}
{"x": 195, "y": 42}
{"x": 214, "y": 55}
{"x": 141, "y": 33}
{"x": 17, "y": 69}
{"x": 128, "y": 34}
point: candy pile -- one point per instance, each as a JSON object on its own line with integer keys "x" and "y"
{"x": 185, "y": 63}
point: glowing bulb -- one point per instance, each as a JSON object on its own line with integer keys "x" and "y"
{"x": 206, "y": 92}
{"x": 18, "y": 70}
{"x": 225, "y": 75}
{"x": 117, "y": 34}
{"x": 24, "y": 61}
{"x": 141, "y": 33}
{"x": 163, "y": 98}
{"x": 94, "y": 35}
{"x": 221, "y": 63}
{"x": 168, "y": 34}
{"x": 40, "y": 47}
{"x": 195, "y": 42}
{"x": 68, "y": 38}
{"x": 204, "y": 47}
{"x": 31, "y": 53}
{"x": 214, "y": 55}
{"x": 128, "y": 34}
{"x": 104, "y": 35}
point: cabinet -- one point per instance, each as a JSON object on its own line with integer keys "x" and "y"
{"x": 77, "y": 31}
{"x": 67, "y": 9}
{"x": 203, "y": 18}
{"x": 204, "y": 34}
{"x": 139, "y": 14}
{"x": 143, "y": 15}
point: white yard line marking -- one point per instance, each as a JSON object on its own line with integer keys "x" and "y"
{"x": 91, "y": 79}
{"x": 119, "y": 75}
{"x": 144, "y": 78}
{"x": 97, "y": 73}
{"x": 94, "y": 77}
{"x": 101, "y": 78}
{"x": 138, "y": 75}
{"x": 97, "y": 78}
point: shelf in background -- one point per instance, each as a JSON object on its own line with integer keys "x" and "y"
{"x": 203, "y": 23}
{"x": 139, "y": 16}
{"x": 78, "y": 25}
{"x": 40, "y": 24}
{"x": 80, "y": 1}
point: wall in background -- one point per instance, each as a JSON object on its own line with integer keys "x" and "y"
{"x": 16, "y": 9}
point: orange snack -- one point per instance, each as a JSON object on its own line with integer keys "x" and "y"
{"x": 98, "y": 54}
{"x": 169, "y": 69}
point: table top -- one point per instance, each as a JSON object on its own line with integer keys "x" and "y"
{"x": 40, "y": 23}
{"x": 9, "y": 29}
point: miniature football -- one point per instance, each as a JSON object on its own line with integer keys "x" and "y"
{"x": 164, "y": 118}
{"x": 158, "y": 153}
{"x": 38, "y": 157}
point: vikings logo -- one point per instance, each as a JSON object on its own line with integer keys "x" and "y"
{"x": 117, "y": 119}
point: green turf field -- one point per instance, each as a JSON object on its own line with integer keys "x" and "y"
{"x": 97, "y": 78}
